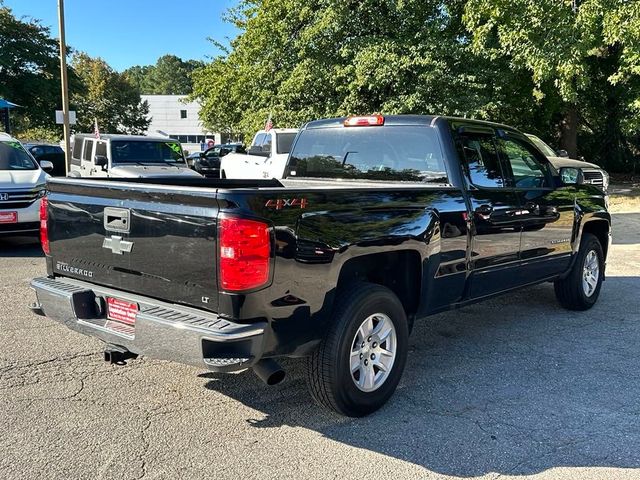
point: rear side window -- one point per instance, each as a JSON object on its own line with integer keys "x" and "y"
{"x": 76, "y": 151}
{"x": 391, "y": 153}
{"x": 88, "y": 147}
{"x": 481, "y": 161}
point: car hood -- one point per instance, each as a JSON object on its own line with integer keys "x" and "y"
{"x": 13, "y": 179}
{"x": 136, "y": 171}
{"x": 560, "y": 162}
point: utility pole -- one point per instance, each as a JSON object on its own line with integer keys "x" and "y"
{"x": 65, "y": 85}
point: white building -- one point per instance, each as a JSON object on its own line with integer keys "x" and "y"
{"x": 171, "y": 116}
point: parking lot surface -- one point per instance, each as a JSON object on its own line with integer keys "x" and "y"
{"x": 513, "y": 387}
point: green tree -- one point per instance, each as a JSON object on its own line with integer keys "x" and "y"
{"x": 107, "y": 96}
{"x": 307, "y": 59}
{"x": 29, "y": 70}
{"x": 586, "y": 53}
{"x": 169, "y": 76}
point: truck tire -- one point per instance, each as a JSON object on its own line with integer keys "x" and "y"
{"x": 358, "y": 364}
{"x": 580, "y": 289}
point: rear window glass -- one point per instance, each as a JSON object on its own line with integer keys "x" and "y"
{"x": 285, "y": 140}
{"x": 392, "y": 153}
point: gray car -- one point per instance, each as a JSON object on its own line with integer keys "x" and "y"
{"x": 591, "y": 173}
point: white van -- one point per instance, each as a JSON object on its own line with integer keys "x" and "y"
{"x": 22, "y": 185}
{"x": 130, "y": 156}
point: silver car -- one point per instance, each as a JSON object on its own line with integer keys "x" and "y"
{"x": 591, "y": 173}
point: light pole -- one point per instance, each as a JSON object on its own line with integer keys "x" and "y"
{"x": 65, "y": 86}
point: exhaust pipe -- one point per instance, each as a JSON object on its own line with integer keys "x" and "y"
{"x": 269, "y": 371}
{"x": 114, "y": 354}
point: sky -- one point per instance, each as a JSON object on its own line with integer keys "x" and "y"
{"x": 135, "y": 32}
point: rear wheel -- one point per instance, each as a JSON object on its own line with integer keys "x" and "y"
{"x": 581, "y": 288}
{"x": 359, "y": 363}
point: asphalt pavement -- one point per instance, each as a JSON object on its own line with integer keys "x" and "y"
{"x": 513, "y": 387}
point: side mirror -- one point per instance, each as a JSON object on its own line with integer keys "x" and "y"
{"x": 101, "y": 161}
{"x": 563, "y": 153}
{"x": 46, "y": 165}
{"x": 570, "y": 176}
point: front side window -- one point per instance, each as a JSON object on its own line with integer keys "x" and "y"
{"x": 390, "y": 153}
{"x": 526, "y": 170}
{"x": 14, "y": 157}
{"x": 284, "y": 141}
{"x": 481, "y": 161}
{"x": 140, "y": 151}
{"x": 101, "y": 149}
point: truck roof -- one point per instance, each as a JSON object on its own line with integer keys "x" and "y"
{"x": 405, "y": 120}
{"x": 128, "y": 138}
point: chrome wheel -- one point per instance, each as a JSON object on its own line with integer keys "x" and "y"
{"x": 590, "y": 273}
{"x": 373, "y": 352}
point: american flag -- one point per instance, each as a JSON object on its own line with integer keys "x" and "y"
{"x": 96, "y": 130}
{"x": 269, "y": 125}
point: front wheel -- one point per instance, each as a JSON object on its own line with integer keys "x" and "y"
{"x": 581, "y": 288}
{"x": 359, "y": 363}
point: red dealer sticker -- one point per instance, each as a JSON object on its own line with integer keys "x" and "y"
{"x": 122, "y": 311}
{"x": 8, "y": 217}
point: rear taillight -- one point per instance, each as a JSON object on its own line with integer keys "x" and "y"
{"x": 245, "y": 254}
{"x": 367, "y": 121}
{"x": 44, "y": 232}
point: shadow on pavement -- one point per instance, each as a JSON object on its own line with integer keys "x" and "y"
{"x": 24, "y": 246}
{"x": 515, "y": 385}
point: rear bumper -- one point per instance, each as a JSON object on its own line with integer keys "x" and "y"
{"x": 162, "y": 330}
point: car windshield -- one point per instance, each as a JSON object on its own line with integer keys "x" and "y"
{"x": 14, "y": 157}
{"x": 141, "y": 151}
{"x": 392, "y": 153}
{"x": 543, "y": 147}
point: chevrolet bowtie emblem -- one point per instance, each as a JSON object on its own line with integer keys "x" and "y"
{"x": 117, "y": 245}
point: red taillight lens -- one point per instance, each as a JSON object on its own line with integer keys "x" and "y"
{"x": 368, "y": 121}
{"x": 245, "y": 254}
{"x": 44, "y": 232}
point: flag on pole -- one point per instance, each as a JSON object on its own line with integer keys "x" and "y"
{"x": 269, "y": 125}
{"x": 96, "y": 130}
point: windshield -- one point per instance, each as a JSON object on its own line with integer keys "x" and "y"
{"x": 140, "y": 151}
{"x": 285, "y": 140}
{"x": 543, "y": 147}
{"x": 393, "y": 153}
{"x": 14, "y": 157}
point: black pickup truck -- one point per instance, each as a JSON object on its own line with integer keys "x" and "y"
{"x": 379, "y": 221}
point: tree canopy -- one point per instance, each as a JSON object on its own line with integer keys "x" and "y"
{"x": 169, "y": 76}
{"x": 30, "y": 77}
{"x": 567, "y": 70}
{"x": 107, "y": 97}
{"x": 29, "y": 69}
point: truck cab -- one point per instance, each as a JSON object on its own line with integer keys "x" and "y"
{"x": 127, "y": 156}
{"x": 265, "y": 158}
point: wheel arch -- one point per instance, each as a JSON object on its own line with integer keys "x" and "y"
{"x": 400, "y": 271}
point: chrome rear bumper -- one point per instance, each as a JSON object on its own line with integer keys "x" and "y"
{"x": 162, "y": 330}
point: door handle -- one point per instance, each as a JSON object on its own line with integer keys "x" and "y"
{"x": 532, "y": 207}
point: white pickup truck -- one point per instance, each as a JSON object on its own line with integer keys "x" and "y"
{"x": 265, "y": 158}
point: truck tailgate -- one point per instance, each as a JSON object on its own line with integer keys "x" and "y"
{"x": 148, "y": 239}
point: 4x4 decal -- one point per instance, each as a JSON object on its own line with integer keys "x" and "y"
{"x": 281, "y": 203}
